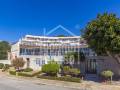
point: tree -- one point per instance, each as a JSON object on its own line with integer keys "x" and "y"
{"x": 4, "y": 48}
{"x": 103, "y": 34}
{"x": 18, "y": 63}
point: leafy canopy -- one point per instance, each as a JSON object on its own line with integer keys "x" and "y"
{"x": 103, "y": 34}
{"x": 4, "y": 48}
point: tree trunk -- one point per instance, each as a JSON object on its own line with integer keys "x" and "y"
{"x": 114, "y": 56}
{"x": 111, "y": 79}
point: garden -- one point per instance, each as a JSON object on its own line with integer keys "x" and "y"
{"x": 51, "y": 71}
{"x": 54, "y": 71}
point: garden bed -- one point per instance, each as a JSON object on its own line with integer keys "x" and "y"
{"x": 29, "y": 74}
{"x": 25, "y": 74}
{"x": 12, "y": 72}
{"x": 63, "y": 78}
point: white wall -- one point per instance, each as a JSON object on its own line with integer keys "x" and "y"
{"x": 46, "y": 58}
{"x": 5, "y": 61}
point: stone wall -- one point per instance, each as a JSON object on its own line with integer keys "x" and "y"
{"x": 110, "y": 64}
{"x": 104, "y": 63}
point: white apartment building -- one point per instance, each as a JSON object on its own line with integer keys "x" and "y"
{"x": 39, "y": 50}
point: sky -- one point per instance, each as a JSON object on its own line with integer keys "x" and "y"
{"x": 21, "y": 17}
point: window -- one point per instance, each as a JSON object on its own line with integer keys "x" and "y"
{"x": 22, "y": 51}
{"x": 39, "y": 61}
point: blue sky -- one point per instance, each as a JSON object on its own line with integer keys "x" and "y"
{"x": 21, "y": 17}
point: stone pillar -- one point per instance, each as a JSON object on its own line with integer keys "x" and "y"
{"x": 28, "y": 62}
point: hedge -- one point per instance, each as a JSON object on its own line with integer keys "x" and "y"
{"x": 12, "y": 72}
{"x": 64, "y": 78}
{"x": 28, "y": 74}
{"x": 25, "y": 74}
{"x": 28, "y": 70}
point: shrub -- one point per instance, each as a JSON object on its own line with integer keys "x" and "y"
{"x": 51, "y": 69}
{"x": 66, "y": 70}
{"x": 28, "y": 70}
{"x": 74, "y": 71}
{"x": 107, "y": 73}
{"x": 70, "y": 71}
{"x": 64, "y": 78}
{"x": 18, "y": 63}
{"x": 12, "y": 72}
{"x": 1, "y": 65}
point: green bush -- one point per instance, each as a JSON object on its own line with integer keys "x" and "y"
{"x": 74, "y": 71}
{"x": 28, "y": 70}
{"x": 12, "y": 72}
{"x": 107, "y": 73}
{"x": 66, "y": 70}
{"x": 65, "y": 78}
{"x": 1, "y": 65}
{"x": 51, "y": 69}
{"x": 70, "y": 71}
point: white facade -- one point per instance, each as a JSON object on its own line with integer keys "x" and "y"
{"x": 41, "y": 49}
{"x": 5, "y": 61}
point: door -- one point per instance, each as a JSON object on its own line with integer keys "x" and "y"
{"x": 91, "y": 66}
